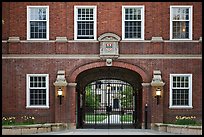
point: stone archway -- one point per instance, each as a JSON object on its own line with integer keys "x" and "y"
{"x": 98, "y": 70}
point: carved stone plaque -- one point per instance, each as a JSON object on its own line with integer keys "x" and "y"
{"x": 109, "y": 45}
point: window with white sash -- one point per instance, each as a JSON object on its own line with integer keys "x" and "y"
{"x": 85, "y": 22}
{"x": 37, "y": 23}
{"x": 181, "y": 22}
{"x": 37, "y": 91}
{"x": 133, "y": 22}
{"x": 180, "y": 90}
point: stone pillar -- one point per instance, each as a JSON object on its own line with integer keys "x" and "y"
{"x": 157, "y": 107}
{"x": 72, "y": 105}
{"x": 60, "y": 109}
{"x": 146, "y": 102}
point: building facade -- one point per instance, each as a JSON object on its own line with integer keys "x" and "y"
{"x": 61, "y": 47}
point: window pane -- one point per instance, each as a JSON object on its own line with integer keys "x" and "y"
{"x": 38, "y": 13}
{"x": 181, "y": 29}
{"x": 85, "y": 29}
{"x": 85, "y": 14}
{"x": 132, "y": 29}
{"x": 132, "y": 13}
{"x": 36, "y": 29}
{"x": 180, "y": 96}
{"x": 36, "y": 95}
{"x": 180, "y": 13}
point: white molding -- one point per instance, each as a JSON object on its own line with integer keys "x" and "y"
{"x": 96, "y": 56}
{"x": 95, "y": 41}
{"x": 84, "y": 41}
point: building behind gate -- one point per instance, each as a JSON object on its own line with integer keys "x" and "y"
{"x": 54, "y": 54}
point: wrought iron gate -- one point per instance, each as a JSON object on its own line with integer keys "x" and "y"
{"x": 109, "y": 104}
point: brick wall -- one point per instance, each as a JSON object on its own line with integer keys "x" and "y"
{"x": 109, "y": 16}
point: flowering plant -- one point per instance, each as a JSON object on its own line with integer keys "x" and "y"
{"x": 8, "y": 120}
{"x": 185, "y": 120}
{"x": 28, "y": 119}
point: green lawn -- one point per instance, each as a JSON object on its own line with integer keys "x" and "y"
{"x": 126, "y": 118}
{"x": 101, "y": 117}
{"x": 93, "y": 118}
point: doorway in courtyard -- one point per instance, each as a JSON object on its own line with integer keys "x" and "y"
{"x": 110, "y": 100}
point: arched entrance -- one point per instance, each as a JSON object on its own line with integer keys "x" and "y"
{"x": 90, "y": 80}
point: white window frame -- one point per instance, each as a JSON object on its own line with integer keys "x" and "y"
{"x": 28, "y": 91}
{"x": 142, "y": 22}
{"x": 75, "y": 22}
{"x": 28, "y": 22}
{"x": 190, "y": 21}
{"x": 190, "y": 92}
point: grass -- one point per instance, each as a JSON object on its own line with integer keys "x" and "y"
{"x": 101, "y": 117}
{"x": 93, "y": 118}
{"x": 126, "y": 118}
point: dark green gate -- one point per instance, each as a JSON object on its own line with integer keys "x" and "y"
{"x": 109, "y": 104}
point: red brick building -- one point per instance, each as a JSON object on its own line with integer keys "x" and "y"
{"x": 52, "y": 46}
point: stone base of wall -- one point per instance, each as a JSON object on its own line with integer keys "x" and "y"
{"x": 178, "y": 129}
{"x": 33, "y": 129}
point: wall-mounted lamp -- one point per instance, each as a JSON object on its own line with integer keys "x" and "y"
{"x": 158, "y": 94}
{"x": 59, "y": 94}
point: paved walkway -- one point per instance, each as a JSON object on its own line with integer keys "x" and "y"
{"x": 112, "y": 119}
{"x": 107, "y": 132}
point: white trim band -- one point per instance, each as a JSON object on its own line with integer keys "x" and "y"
{"x": 96, "y": 56}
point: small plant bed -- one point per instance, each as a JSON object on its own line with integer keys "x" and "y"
{"x": 185, "y": 120}
{"x": 25, "y": 120}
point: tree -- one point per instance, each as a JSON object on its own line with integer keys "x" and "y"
{"x": 127, "y": 97}
{"x": 91, "y": 99}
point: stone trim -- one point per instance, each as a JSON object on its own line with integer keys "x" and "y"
{"x": 96, "y": 41}
{"x": 157, "y": 39}
{"x": 200, "y": 40}
{"x": 178, "y": 129}
{"x": 72, "y": 84}
{"x": 109, "y": 37}
{"x": 157, "y": 79}
{"x": 33, "y": 129}
{"x": 14, "y": 39}
{"x": 60, "y": 81}
{"x": 96, "y": 56}
{"x": 146, "y": 84}
{"x": 61, "y": 39}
